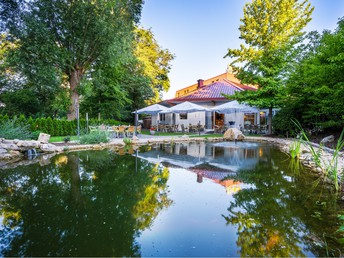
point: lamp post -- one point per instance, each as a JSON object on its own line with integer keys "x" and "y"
{"x": 78, "y": 118}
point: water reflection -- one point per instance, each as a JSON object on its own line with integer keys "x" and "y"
{"x": 229, "y": 199}
{"x": 81, "y": 204}
{"x": 276, "y": 208}
{"x": 214, "y": 161}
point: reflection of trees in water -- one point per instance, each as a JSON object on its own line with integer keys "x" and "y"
{"x": 92, "y": 203}
{"x": 275, "y": 215}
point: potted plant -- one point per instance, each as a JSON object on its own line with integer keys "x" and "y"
{"x": 152, "y": 130}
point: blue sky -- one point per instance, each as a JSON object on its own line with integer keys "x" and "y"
{"x": 199, "y": 32}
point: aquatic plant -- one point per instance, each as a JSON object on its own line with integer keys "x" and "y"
{"x": 330, "y": 169}
{"x": 341, "y": 229}
{"x": 294, "y": 148}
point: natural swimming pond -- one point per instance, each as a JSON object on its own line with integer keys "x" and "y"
{"x": 187, "y": 199}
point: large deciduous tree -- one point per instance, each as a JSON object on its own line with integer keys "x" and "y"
{"x": 138, "y": 79}
{"x": 155, "y": 62}
{"x": 61, "y": 41}
{"x": 270, "y": 29}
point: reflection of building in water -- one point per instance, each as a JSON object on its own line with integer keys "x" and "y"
{"x": 228, "y": 156}
{"x": 218, "y": 176}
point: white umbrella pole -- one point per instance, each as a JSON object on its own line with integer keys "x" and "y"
{"x": 136, "y": 118}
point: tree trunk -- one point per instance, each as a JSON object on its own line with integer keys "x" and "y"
{"x": 75, "y": 181}
{"x": 74, "y": 81}
{"x": 270, "y": 121}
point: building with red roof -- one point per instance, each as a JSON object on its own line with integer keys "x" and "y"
{"x": 210, "y": 93}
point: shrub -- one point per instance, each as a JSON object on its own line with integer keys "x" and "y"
{"x": 127, "y": 141}
{"x": 282, "y": 122}
{"x": 9, "y": 130}
{"x": 94, "y": 137}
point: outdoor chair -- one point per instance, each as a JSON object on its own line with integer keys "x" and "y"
{"x": 115, "y": 129}
{"x": 138, "y": 129}
{"x": 130, "y": 131}
{"x": 161, "y": 128}
{"x": 184, "y": 129}
{"x": 111, "y": 131}
{"x": 93, "y": 128}
{"x": 218, "y": 129}
{"x": 175, "y": 128}
{"x": 121, "y": 131}
{"x": 102, "y": 128}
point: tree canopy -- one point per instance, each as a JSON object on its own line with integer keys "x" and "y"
{"x": 155, "y": 62}
{"x": 270, "y": 29}
{"x": 61, "y": 42}
{"x": 316, "y": 86}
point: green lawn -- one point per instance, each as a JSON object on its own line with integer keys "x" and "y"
{"x": 145, "y": 131}
{"x": 75, "y": 138}
{"x": 61, "y": 138}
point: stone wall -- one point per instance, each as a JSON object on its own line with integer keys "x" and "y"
{"x": 14, "y": 149}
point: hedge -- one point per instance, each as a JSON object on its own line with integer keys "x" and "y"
{"x": 56, "y": 127}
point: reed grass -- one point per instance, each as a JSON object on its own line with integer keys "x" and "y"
{"x": 330, "y": 169}
{"x": 295, "y": 148}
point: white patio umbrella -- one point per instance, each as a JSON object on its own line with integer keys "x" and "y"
{"x": 233, "y": 107}
{"x": 150, "y": 110}
{"x": 185, "y": 107}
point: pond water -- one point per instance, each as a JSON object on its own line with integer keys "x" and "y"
{"x": 191, "y": 199}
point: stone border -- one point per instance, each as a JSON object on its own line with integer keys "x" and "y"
{"x": 306, "y": 157}
{"x": 12, "y": 151}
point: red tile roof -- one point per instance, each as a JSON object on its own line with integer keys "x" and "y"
{"x": 213, "y": 91}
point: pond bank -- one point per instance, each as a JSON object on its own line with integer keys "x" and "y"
{"x": 12, "y": 152}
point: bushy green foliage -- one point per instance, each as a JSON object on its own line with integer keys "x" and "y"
{"x": 35, "y": 134}
{"x": 94, "y": 137}
{"x": 127, "y": 141}
{"x": 54, "y": 127}
{"x": 10, "y": 130}
{"x": 316, "y": 83}
{"x": 282, "y": 121}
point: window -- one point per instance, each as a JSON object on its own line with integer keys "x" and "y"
{"x": 162, "y": 117}
{"x": 249, "y": 119}
{"x": 183, "y": 116}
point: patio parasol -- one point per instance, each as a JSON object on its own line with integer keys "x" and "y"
{"x": 185, "y": 107}
{"x": 233, "y": 107}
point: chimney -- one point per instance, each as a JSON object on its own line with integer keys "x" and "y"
{"x": 200, "y": 83}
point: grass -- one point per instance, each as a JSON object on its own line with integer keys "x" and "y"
{"x": 193, "y": 134}
{"x": 61, "y": 138}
